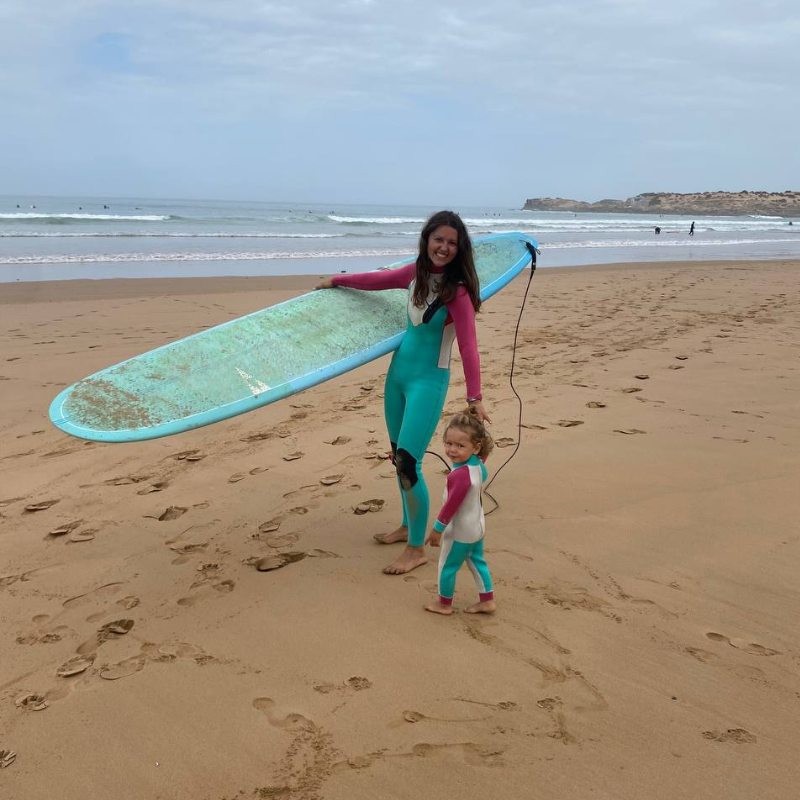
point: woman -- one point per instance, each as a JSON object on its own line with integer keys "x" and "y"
{"x": 443, "y": 298}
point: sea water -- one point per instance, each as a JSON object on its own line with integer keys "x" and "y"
{"x": 58, "y": 238}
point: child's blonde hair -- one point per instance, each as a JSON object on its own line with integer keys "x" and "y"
{"x": 475, "y": 429}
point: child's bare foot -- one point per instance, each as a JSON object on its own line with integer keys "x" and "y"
{"x": 400, "y": 534}
{"x": 481, "y": 607}
{"x": 410, "y": 558}
{"x": 439, "y": 608}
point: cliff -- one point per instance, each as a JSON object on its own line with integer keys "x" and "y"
{"x": 782, "y": 204}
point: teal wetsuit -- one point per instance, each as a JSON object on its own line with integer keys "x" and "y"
{"x": 417, "y": 381}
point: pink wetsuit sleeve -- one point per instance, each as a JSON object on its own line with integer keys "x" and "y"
{"x": 378, "y": 279}
{"x": 458, "y": 484}
{"x": 462, "y": 313}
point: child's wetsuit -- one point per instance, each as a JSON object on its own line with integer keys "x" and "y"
{"x": 417, "y": 381}
{"x": 461, "y": 522}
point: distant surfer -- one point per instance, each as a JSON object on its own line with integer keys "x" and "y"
{"x": 658, "y": 230}
{"x": 460, "y": 525}
{"x": 691, "y": 229}
{"x": 443, "y": 298}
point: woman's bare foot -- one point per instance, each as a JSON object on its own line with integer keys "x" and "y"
{"x": 482, "y": 607}
{"x": 400, "y": 534}
{"x": 439, "y": 608}
{"x": 410, "y": 558}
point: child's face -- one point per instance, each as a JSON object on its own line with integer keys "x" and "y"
{"x": 458, "y": 445}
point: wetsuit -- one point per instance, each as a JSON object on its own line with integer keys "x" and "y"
{"x": 417, "y": 381}
{"x": 461, "y": 522}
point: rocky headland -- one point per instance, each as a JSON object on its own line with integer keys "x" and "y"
{"x": 781, "y": 204}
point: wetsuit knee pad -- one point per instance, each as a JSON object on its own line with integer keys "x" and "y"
{"x": 406, "y": 466}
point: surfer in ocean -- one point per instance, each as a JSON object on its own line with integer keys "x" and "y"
{"x": 443, "y": 298}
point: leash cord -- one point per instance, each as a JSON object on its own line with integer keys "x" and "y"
{"x": 533, "y": 251}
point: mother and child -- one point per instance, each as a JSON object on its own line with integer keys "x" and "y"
{"x": 443, "y": 299}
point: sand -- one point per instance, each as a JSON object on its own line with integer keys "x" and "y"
{"x": 646, "y": 554}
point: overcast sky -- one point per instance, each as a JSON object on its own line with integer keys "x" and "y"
{"x": 398, "y": 101}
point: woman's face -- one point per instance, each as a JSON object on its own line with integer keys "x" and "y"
{"x": 442, "y": 246}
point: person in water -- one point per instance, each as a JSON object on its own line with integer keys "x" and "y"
{"x": 443, "y": 299}
{"x": 459, "y": 528}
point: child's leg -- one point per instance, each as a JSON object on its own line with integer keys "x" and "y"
{"x": 450, "y": 560}
{"x": 476, "y": 562}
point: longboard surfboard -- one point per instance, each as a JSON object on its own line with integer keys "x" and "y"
{"x": 257, "y": 359}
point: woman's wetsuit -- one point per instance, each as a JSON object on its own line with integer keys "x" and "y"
{"x": 417, "y": 381}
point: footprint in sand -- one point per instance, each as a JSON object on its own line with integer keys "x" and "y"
{"x": 188, "y": 455}
{"x": 309, "y": 758}
{"x": 111, "y": 630}
{"x": 735, "y": 735}
{"x": 75, "y": 666}
{"x": 289, "y": 722}
{"x": 158, "y": 486}
{"x": 64, "y": 529}
{"x": 629, "y": 431}
{"x": 169, "y": 513}
{"x": 752, "y": 648}
{"x": 369, "y": 506}
{"x": 273, "y": 562}
{"x": 85, "y": 535}
{"x": 123, "y": 669}
{"x": 41, "y": 505}
{"x": 417, "y": 716}
{"x": 31, "y": 702}
{"x": 356, "y": 683}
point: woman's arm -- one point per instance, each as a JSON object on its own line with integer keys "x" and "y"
{"x": 462, "y": 313}
{"x": 373, "y": 281}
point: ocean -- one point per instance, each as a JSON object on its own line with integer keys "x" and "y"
{"x": 61, "y": 238}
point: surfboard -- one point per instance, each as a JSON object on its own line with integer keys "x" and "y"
{"x": 257, "y": 359}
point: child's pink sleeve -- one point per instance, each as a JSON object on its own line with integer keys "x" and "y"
{"x": 462, "y": 313}
{"x": 458, "y": 484}
{"x": 378, "y": 279}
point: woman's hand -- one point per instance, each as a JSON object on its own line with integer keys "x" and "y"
{"x": 325, "y": 283}
{"x": 477, "y": 409}
{"x": 434, "y": 539}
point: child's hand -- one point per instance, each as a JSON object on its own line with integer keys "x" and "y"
{"x": 434, "y": 539}
{"x": 325, "y": 283}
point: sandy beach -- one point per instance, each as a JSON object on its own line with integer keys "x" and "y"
{"x": 646, "y": 553}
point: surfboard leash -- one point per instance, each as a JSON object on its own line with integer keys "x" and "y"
{"x": 534, "y": 252}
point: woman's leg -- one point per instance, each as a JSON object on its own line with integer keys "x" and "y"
{"x": 424, "y": 400}
{"x": 394, "y": 404}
